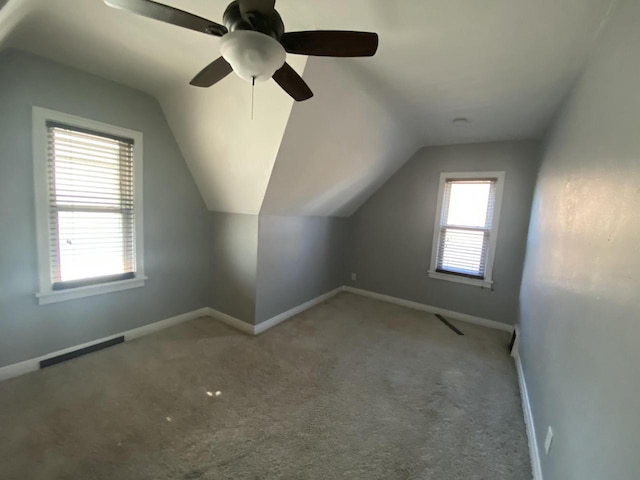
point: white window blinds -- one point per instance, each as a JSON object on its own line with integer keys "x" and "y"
{"x": 465, "y": 228}
{"x": 91, "y": 207}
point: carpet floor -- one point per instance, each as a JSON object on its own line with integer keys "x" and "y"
{"x": 351, "y": 389}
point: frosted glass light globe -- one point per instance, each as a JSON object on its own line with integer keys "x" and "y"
{"x": 252, "y": 54}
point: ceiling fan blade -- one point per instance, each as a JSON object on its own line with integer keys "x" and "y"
{"x": 292, "y": 83}
{"x": 168, "y": 14}
{"x": 212, "y": 73}
{"x": 262, "y": 6}
{"x": 331, "y": 43}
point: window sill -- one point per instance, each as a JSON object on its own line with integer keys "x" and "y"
{"x": 476, "y": 282}
{"x": 47, "y": 297}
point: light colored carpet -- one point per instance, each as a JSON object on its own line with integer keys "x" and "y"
{"x": 351, "y": 389}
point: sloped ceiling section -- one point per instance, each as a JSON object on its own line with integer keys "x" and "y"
{"x": 505, "y": 65}
{"x": 230, "y": 155}
{"x": 338, "y": 148}
{"x": 11, "y": 12}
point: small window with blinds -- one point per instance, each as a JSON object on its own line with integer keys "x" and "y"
{"x": 91, "y": 210}
{"x": 466, "y": 227}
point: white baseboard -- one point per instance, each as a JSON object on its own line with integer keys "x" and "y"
{"x": 33, "y": 364}
{"x": 431, "y": 309}
{"x": 17, "y": 369}
{"x": 536, "y": 468}
{"x": 231, "y": 321}
{"x": 162, "y": 324}
{"x": 273, "y": 321}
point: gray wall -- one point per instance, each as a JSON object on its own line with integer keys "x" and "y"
{"x": 299, "y": 258}
{"x": 393, "y": 230}
{"x": 580, "y": 317}
{"x": 234, "y": 257}
{"x": 175, "y": 229}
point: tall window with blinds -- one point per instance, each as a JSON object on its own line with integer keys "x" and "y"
{"x": 91, "y": 214}
{"x": 87, "y": 201}
{"x": 466, "y": 227}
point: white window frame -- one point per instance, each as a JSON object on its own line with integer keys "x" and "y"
{"x": 46, "y": 294}
{"x": 487, "y": 282}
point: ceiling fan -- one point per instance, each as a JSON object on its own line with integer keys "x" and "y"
{"x": 254, "y": 43}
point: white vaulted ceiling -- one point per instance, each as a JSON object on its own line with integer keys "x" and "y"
{"x": 503, "y": 64}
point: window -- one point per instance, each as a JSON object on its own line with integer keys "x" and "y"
{"x": 466, "y": 227}
{"x": 88, "y": 201}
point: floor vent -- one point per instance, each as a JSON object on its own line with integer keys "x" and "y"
{"x": 449, "y": 324}
{"x": 512, "y": 343}
{"x": 81, "y": 351}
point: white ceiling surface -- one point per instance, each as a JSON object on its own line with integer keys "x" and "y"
{"x": 504, "y": 64}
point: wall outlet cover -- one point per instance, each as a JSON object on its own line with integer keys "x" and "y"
{"x": 354, "y": 277}
{"x": 547, "y": 441}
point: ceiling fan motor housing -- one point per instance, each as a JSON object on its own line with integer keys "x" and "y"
{"x": 268, "y": 24}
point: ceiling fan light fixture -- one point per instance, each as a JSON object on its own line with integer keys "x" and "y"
{"x": 252, "y": 55}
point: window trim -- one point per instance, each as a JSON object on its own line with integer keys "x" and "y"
{"x": 487, "y": 281}
{"x": 46, "y": 293}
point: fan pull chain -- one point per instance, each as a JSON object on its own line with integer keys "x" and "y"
{"x": 253, "y": 91}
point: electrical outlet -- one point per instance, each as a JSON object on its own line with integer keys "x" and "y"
{"x": 547, "y": 441}
{"x": 354, "y": 277}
